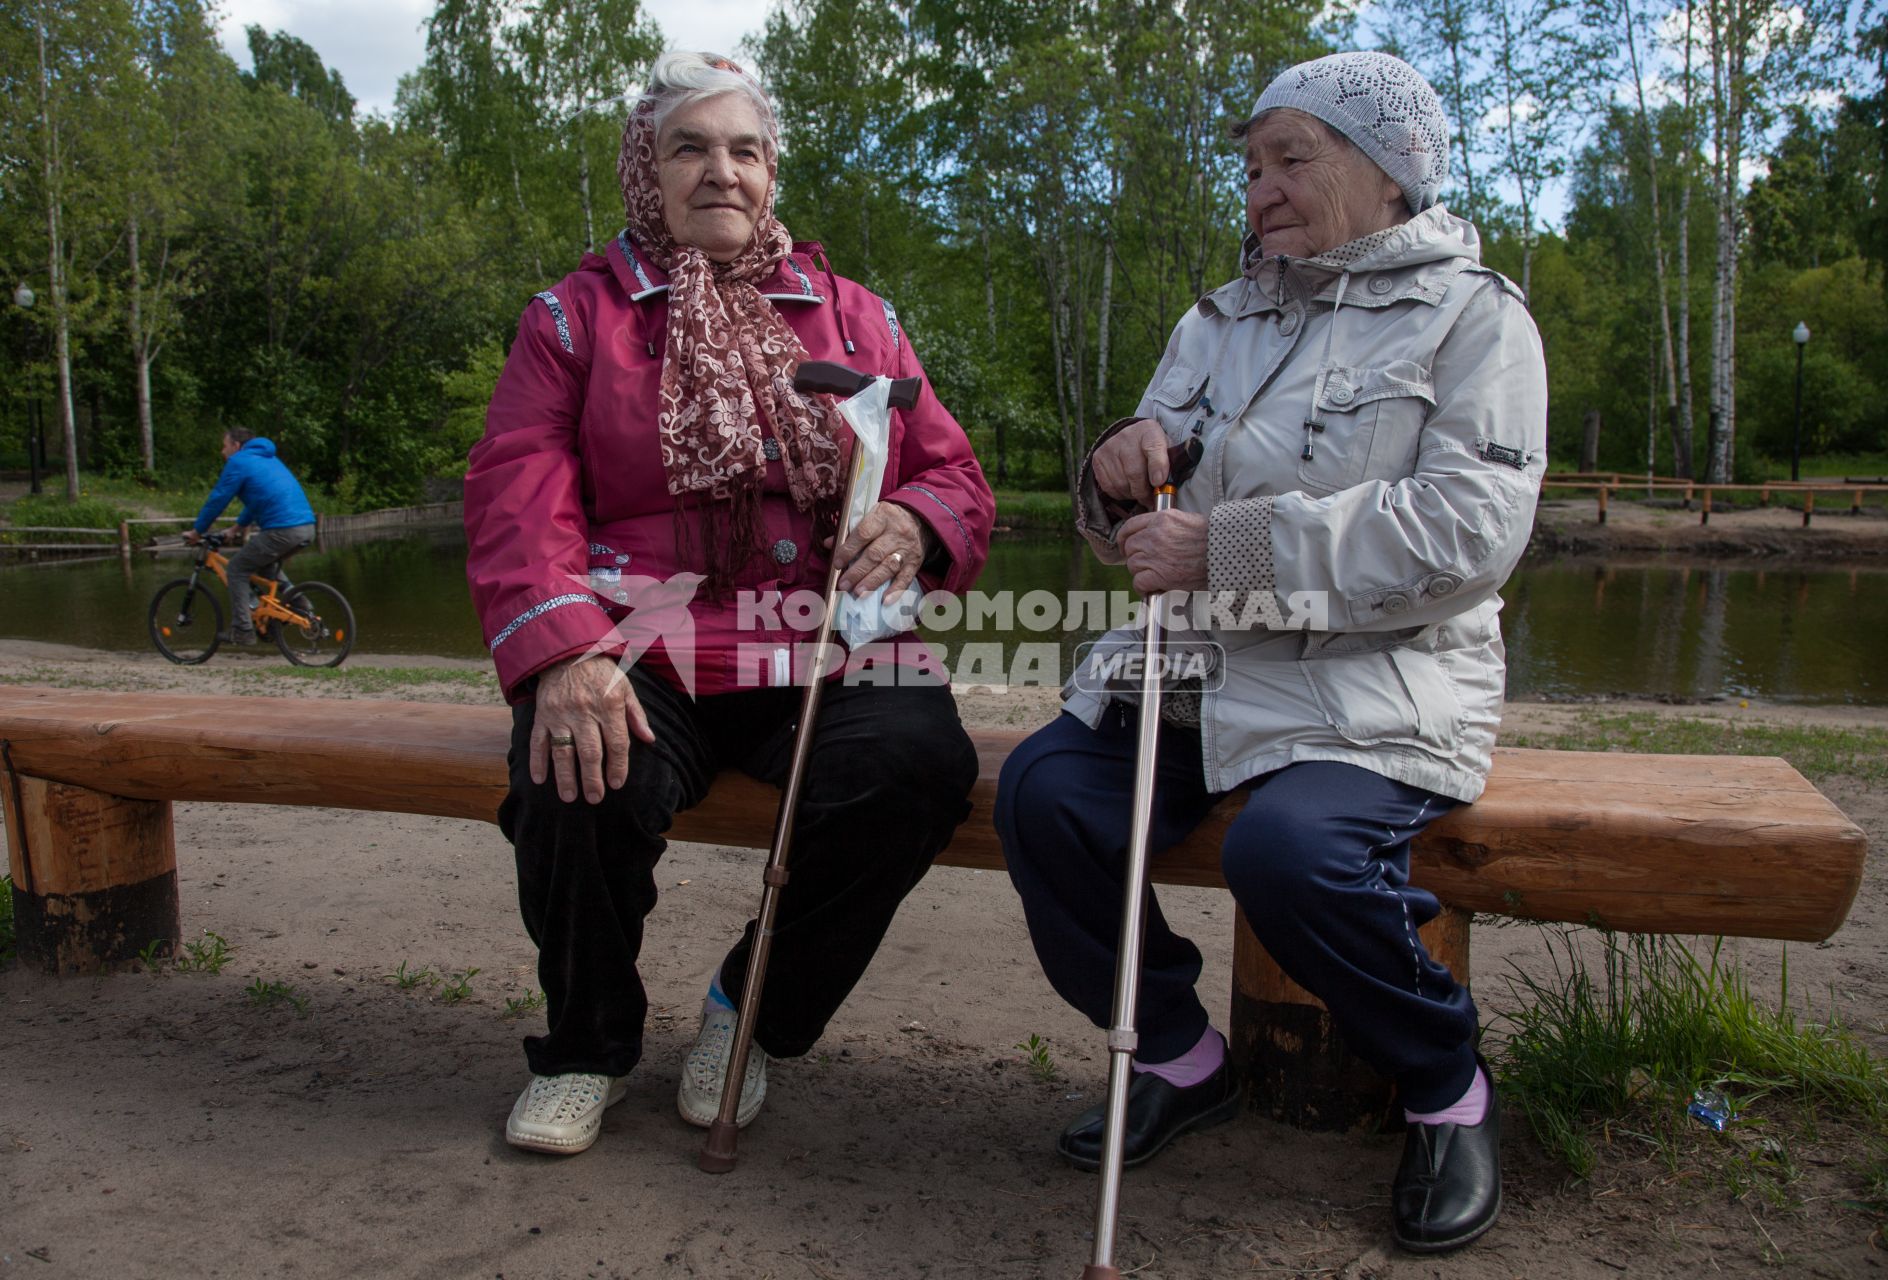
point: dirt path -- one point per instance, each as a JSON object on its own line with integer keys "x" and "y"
{"x": 166, "y": 1126}
{"x": 1570, "y": 526}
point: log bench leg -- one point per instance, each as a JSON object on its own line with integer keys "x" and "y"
{"x": 94, "y": 879}
{"x": 1295, "y": 1066}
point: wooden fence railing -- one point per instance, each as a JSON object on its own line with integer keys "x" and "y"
{"x": 1606, "y": 484}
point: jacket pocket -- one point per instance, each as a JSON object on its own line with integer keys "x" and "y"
{"x": 1172, "y": 401}
{"x": 1395, "y": 696}
{"x": 1371, "y": 419}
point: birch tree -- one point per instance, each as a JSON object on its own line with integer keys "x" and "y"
{"x": 1759, "y": 53}
{"x": 176, "y": 92}
{"x": 579, "y": 57}
{"x": 1535, "y": 64}
{"x": 64, "y": 60}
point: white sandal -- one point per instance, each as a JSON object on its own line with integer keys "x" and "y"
{"x": 698, "y": 1097}
{"x": 562, "y": 1115}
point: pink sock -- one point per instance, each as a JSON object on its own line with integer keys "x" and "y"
{"x": 1469, "y": 1109}
{"x": 1193, "y": 1066}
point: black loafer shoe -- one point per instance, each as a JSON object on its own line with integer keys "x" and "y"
{"x": 1158, "y": 1112}
{"x": 1448, "y": 1188}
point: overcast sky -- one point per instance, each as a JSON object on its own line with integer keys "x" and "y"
{"x": 372, "y": 43}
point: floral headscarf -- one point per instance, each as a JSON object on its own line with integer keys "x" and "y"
{"x": 727, "y": 370}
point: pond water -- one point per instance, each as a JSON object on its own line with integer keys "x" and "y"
{"x": 1660, "y": 629}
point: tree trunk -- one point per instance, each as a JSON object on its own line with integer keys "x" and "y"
{"x": 55, "y": 267}
{"x": 1590, "y": 442}
{"x": 989, "y": 316}
{"x": 1462, "y": 126}
{"x": 1658, "y": 243}
{"x": 583, "y": 185}
{"x": 1682, "y": 465}
{"x": 141, "y": 352}
{"x": 524, "y": 216}
{"x": 1723, "y": 188}
{"x": 1107, "y": 306}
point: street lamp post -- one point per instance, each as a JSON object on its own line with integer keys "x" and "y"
{"x": 23, "y": 298}
{"x": 1801, "y": 334}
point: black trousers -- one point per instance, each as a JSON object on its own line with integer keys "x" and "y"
{"x": 887, "y": 782}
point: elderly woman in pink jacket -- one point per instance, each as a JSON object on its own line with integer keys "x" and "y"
{"x": 650, "y": 492}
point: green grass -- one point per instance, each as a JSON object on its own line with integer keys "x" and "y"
{"x": 1613, "y": 1042}
{"x": 207, "y": 954}
{"x": 457, "y": 987}
{"x": 406, "y": 979}
{"x": 267, "y": 995}
{"x": 1815, "y": 751}
{"x": 1863, "y": 466}
{"x": 1037, "y": 1058}
{"x": 51, "y": 510}
{"x": 155, "y": 956}
{"x": 1034, "y": 509}
{"x": 171, "y": 493}
{"x": 1617, "y": 1042}
{"x": 6, "y": 919}
{"x": 371, "y": 679}
{"x": 529, "y": 1002}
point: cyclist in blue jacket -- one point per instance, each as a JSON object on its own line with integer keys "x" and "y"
{"x": 273, "y": 504}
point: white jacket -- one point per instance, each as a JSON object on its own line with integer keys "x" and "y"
{"x": 1416, "y": 375}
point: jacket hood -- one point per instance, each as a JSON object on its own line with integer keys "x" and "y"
{"x": 1434, "y": 235}
{"x": 261, "y": 446}
{"x": 1426, "y": 252}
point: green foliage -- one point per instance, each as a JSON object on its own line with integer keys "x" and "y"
{"x": 1631, "y": 1033}
{"x": 1037, "y": 1058}
{"x": 155, "y": 956}
{"x": 529, "y": 1002}
{"x": 267, "y": 995}
{"x": 1041, "y": 189}
{"x": 457, "y": 987}
{"x": 1034, "y": 509}
{"x": 49, "y": 509}
{"x": 207, "y": 954}
{"x": 407, "y": 979}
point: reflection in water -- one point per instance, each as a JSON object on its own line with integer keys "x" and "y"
{"x": 1573, "y": 628}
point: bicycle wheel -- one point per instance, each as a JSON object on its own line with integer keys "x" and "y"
{"x": 323, "y": 633}
{"x": 185, "y": 621}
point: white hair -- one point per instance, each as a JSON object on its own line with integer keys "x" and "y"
{"x": 681, "y": 78}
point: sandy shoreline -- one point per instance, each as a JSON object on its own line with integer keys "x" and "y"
{"x": 165, "y": 1126}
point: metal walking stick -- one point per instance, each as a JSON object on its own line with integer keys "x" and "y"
{"x": 1122, "y": 1038}
{"x": 718, "y": 1153}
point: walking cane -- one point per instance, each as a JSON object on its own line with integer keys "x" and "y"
{"x": 718, "y": 1153}
{"x": 1122, "y": 1038}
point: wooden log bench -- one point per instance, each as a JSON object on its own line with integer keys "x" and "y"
{"x": 1670, "y": 844}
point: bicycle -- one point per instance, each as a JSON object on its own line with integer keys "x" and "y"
{"x": 312, "y": 623}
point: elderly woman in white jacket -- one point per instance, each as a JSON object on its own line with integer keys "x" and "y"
{"x": 1371, "y": 404}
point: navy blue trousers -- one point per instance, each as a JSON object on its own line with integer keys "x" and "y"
{"x": 1318, "y": 859}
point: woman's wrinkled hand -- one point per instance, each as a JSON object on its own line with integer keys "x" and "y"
{"x": 888, "y": 545}
{"x": 1129, "y": 463}
{"x": 587, "y": 712}
{"x": 1166, "y": 550}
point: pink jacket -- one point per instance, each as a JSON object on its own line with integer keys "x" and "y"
{"x": 567, "y": 510}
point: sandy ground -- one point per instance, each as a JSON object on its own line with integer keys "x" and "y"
{"x": 163, "y": 1125}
